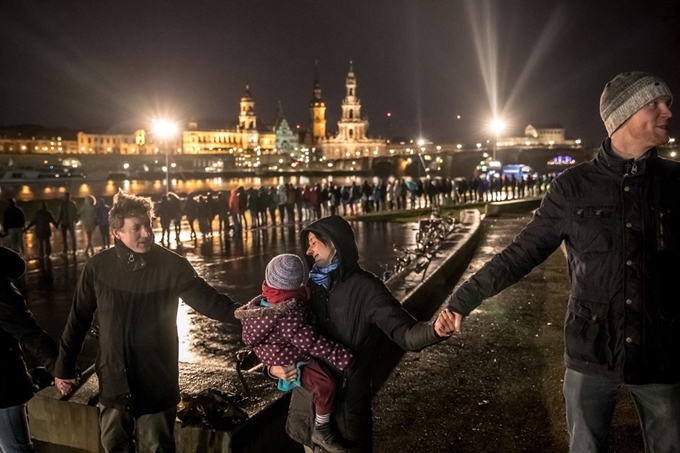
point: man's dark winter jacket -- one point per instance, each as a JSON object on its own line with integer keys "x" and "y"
{"x": 354, "y": 311}
{"x": 17, "y": 329}
{"x": 136, "y": 299}
{"x": 620, "y": 222}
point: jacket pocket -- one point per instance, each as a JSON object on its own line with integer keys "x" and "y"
{"x": 586, "y": 332}
{"x": 666, "y": 228}
{"x": 300, "y": 421}
{"x": 593, "y": 228}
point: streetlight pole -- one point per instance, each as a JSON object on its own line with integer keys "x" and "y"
{"x": 165, "y": 129}
{"x": 497, "y": 126}
{"x": 167, "y": 169}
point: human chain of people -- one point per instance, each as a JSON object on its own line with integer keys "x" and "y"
{"x": 231, "y": 212}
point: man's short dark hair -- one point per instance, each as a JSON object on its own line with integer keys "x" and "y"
{"x": 126, "y": 205}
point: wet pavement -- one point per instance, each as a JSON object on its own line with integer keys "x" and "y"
{"x": 497, "y": 385}
{"x": 233, "y": 264}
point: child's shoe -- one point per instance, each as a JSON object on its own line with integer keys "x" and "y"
{"x": 328, "y": 438}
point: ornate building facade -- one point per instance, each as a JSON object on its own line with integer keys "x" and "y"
{"x": 351, "y": 141}
{"x": 317, "y": 113}
{"x": 539, "y": 136}
{"x": 249, "y": 135}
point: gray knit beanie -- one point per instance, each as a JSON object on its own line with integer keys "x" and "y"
{"x": 284, "y": 271}
{"x": 627, "y": 93}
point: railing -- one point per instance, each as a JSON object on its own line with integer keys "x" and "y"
{"x": 429, "y": 235}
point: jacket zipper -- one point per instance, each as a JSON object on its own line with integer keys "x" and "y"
{"x": 631, "y": 168}
{"x": 662, "y": 245}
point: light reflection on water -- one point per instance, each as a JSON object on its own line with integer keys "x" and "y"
{"x": 79, "y": 189}
{"x": 239, "y": 272}
{"x": 233, "y": 265}
{"x": 184, "y": 322}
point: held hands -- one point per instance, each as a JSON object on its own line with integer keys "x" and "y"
{"x": 65, "y": 386}
{"x": 447, "y": 323}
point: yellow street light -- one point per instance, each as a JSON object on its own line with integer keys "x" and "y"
{"x": 497, "y": 127}
{"x": 165, "y": 129}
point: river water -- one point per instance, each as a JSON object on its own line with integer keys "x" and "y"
{"x": 234, "y": 265}
{"x": 81, "y": 188}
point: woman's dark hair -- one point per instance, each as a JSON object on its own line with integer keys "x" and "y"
{"x": 325, "y": 240}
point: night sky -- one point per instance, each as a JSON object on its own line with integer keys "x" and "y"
{"x": 117, "y": 64}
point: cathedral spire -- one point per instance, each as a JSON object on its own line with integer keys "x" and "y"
{"x": 317, "y": 86}
{"x": 317, "y": 110}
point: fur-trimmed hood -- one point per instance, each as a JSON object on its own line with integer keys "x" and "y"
{"x": 258, "y": 321}
{"x": 253, "y": 309}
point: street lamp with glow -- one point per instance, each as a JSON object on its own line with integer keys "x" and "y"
{"x": 165, "y": 129}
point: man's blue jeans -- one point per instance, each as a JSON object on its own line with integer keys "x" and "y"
{"x": 14, "y": 434}
{"x": 590, "y": 404}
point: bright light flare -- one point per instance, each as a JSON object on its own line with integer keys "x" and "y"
{"x": 497, "y": 126}
{"x": 485, "y": 19}
{"x": 164, "y": 128}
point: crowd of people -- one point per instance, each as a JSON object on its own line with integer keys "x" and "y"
{"x": 92, "y": 214}
{"x": 230, "y": 212}
{"x": 250, "y": 208}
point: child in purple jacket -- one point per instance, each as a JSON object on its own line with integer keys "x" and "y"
{"x": 276, "y": 325}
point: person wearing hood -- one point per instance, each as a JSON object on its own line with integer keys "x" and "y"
{"x": 135, "y": 287}
{"x": 619, "y": 218}
{"x": 352, "y": 306}
{"x": 18, "y": 329}
{"x": 276, "y": 325}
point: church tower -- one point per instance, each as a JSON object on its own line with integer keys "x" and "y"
{"x": 317, "y": 111}
{"x": 246, "y": 118}
{"x": 351, "y": 127}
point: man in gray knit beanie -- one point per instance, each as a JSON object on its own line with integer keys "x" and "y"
{"x": 626, "y": 94}
{"x": 619, "y": 218}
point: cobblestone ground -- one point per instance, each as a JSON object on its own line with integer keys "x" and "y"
{"x": 496, "y": 387}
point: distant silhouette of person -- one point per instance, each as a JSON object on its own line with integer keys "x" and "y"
{"x": 13, "y": 223}
{"x": 164, "y": 213}
{"x": 88, "y": 220}
{"x": 191, "y": 211}
{"x": 102, "y": 212}
{"x": 67, "y": 217}
{"x": 43, "y": 221}
{"x": 175, "y": 209}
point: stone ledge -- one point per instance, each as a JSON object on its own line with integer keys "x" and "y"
{"x": 512, "y": 206}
